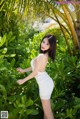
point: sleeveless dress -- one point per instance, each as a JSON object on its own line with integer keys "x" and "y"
{"x": 44, "y": 81}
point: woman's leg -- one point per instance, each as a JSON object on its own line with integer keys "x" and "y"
{"x": 47, "y": 109}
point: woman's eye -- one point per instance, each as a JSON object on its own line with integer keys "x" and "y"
{"x": 43, "y": 41}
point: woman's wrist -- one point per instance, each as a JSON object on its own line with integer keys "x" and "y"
{"x": 24, "y": 70}
{"x": 25, "y": 79}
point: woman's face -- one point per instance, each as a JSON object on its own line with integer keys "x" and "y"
{"x": 45, "y": 44}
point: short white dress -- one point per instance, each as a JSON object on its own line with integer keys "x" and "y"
{"x": 44, "y": 81}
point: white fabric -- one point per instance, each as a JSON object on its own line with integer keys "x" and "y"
{"x": 45, "y": 83}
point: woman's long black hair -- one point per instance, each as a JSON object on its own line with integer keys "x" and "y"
{"x": 52, "y": 50}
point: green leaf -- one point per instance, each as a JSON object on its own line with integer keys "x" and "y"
{"x": 32, "y": 112}
{"x": 3, "y": 90}
{"x": 21, "y": 105}
{"x": 3, "y": 68}
{"x": 2, "y": 40}
{"x": 4, "y": 51}
{"x": 10, "y": 55}
{"x": 1, "y": 56}
{"x": 29, "y": 103}
{"x": 59, "y": 104}
{"x": 23, "y": 99}
{"x": 13, "y": 62}
{"x": 70, "y": 113}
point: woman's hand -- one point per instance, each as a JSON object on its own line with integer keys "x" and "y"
{"x": 21, "y": 81}
{"x": 20, "y": 70}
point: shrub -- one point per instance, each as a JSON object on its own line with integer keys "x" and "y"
{"x": 23, "y": 101}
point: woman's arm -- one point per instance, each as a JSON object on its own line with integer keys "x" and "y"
{"x": 34, "y": 73}
{"x": 24, "y": 70}
{"x": 21, "y": 81}
{"x": 28, "y": 69}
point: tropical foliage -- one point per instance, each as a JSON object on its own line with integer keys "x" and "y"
{"x": 61, "y": 13}
{"x": 19, "y": 43}
{"x": 23, "y": 102}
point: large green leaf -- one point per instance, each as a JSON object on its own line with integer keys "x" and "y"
{"x": 32, "y": 112}
{"x": 3, "y": 91}
{"x": 29, "y": 103}
{"x": 2, "y": 40}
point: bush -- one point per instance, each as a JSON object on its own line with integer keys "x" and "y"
{"x": 23, "y": 101}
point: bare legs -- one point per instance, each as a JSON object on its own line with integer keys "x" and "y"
{"x": 47, "y": 109}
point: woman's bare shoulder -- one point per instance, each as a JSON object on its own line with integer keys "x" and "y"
{"x": 42, "y": 57}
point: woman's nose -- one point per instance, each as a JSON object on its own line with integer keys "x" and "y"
{"x": 44, "y": 44}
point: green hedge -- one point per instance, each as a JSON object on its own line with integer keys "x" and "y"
{"x": 23, "y": 101}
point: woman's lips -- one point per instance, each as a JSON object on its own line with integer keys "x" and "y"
{"x": 42, "y": 48}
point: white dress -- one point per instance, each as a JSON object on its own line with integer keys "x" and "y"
{"x": 44, "y": 81}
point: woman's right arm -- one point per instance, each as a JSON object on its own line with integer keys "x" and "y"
{"x": 24, "y": 70}
{"x": 28, "y": 69}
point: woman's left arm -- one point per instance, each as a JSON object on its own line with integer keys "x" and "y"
{"x": 34, "y": 73}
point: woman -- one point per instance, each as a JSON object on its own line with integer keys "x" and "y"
{"x": 38, "y": 65}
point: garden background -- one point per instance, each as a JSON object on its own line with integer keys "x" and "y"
{"x": 19, "y": 43}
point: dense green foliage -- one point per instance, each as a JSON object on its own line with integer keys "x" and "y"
{"x": 19, "y": 43}
{"x": 23, "y": 101}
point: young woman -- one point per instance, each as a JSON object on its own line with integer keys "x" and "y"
{"x": 38, "y": 65}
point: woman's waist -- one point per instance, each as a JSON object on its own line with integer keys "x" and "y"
{"x": 43, "y": 76}
{"x": 41, "y": 73}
